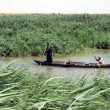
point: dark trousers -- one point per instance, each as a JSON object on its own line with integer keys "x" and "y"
{"x": 49, "y": 58}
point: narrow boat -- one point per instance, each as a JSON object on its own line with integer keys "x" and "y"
{"x": 75, "y": 64}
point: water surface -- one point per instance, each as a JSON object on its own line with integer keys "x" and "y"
{"x": 28, "y": 64}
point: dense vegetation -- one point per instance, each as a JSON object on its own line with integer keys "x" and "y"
{"x": 23, "y": 91}
{"x": 22, "y": 35}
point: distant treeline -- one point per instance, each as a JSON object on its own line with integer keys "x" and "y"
{"x": 22, "y": 35}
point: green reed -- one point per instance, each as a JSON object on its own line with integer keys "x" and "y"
{"x": 22, "y": 35}
{"x": 20, "y": 90}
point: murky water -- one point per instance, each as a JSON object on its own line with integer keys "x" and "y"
{"x": 28, "y": 64}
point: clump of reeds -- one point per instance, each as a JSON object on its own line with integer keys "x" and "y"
{"x": 22, "y": 35}
{"x": 20, "y": 90}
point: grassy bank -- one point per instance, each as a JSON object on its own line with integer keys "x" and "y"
{"x": 24, "y": 91}
{"x": 22, "y": 35}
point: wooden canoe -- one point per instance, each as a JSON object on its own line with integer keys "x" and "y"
{"x": 75, "y": 64}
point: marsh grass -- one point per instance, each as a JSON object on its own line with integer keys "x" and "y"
{"x": 22, "y": 35}
{"x": 20, "y": 90}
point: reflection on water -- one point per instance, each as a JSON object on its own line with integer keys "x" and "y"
{"x": 28, "y": 64}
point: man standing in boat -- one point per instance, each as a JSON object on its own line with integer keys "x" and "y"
{"x": 48, "y": 52}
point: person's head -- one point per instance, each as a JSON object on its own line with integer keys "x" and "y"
{"x": 48, "y": 44}
{"x": 99, "y": 58}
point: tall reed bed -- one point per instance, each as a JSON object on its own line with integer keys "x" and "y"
{"x": 20, "y": 90}
{"x": 22, "y": 35}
